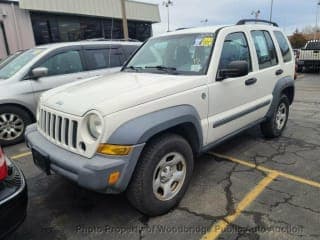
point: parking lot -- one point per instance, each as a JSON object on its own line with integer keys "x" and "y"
{"x": 247, "y": 188}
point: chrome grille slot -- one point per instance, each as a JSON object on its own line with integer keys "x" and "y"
{"x": 58, "y": 128}
{"x": 74, "y": 133}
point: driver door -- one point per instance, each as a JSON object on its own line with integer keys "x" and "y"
{"x": 233, "y": 102}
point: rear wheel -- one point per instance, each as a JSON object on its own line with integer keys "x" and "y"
{"x": 274, "y": 126}
{"x": 13, "y": 122}
{"x": 162, "y": 175}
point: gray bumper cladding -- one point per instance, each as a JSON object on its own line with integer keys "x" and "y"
{"x": 90, "y": 173}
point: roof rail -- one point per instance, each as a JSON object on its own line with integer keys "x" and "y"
{"x": 114, "y": 40}
{"x": 244, "y": 21}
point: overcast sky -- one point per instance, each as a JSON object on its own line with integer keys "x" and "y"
{"x": 290, "y": 14}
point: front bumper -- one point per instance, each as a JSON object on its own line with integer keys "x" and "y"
{"x": 13, "y": 201}
{"x": 90, "y": 173}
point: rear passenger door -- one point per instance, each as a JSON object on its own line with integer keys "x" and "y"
{"x": 102, "y": 60}
{"x": 269, "y": 67}
{"x": 64, "y": 66}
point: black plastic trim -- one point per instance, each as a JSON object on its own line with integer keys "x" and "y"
{"x": 240, "y": 114}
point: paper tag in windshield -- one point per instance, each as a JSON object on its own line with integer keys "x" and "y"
{"x": 195, "y": 68}
{"x": 204, "y": 42}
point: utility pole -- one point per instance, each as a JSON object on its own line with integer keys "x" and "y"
{"x": 124, "y": 20}
{"x": 167, "y": 4}
{"x": 317, "y": 21}
{"x": 271, "y": 10}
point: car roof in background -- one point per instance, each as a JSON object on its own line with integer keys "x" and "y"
{"x": 88, "y": 43}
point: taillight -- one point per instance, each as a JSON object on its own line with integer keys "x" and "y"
{"x": 3, "y": 166}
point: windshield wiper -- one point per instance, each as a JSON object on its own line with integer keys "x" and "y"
{"x": 163, "y": 68}
{"x": 133, "y": 68}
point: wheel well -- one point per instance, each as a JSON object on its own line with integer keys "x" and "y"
{"x": 21, "y": 107}
{"x": 188, "y": 131}
{"x": 289, "y": 92}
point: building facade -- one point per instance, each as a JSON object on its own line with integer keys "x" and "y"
{"x": 26, "y": 23}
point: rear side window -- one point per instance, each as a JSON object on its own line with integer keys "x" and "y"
{"x": 266, "y": 51}
{"x": 130, "y": 49}
{"x": 103, "y": 58}
{"x": 284, "y": 46}
{"x": 313, "y": 45}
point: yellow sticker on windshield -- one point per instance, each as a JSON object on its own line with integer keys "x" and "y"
{"x": 206, "y": 42}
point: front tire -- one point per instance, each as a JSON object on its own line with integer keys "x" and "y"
{"x": 162, "y": 175}
{"x": 13, "y": 122}
{"x": 274, "y": 126}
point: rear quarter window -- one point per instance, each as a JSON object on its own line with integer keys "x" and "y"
{"x": 284, "y": 46}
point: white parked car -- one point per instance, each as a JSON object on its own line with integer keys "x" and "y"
{"x": 182, "y": 93}
{"x": 25, "y": 75}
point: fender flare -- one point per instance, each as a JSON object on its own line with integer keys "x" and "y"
{"x": 282, "y": 84}
{"x": 141, "y": 129}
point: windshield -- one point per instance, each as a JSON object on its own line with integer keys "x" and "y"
{"x": 5, "y": 61}
{"x": 13, "y": 66}
{"x": 187, "y": 54}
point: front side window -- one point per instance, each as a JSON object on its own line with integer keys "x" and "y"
{"x": 64, "y": 63}
{"x": 235, "y": 48}
{"x": 266, "y": 52}
{"x": 18, "y": 62}
{"x": 284, "y": 46}
{"x": 187, "y": 54}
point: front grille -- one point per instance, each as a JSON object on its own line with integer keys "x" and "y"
{"x": 56, "y": 127}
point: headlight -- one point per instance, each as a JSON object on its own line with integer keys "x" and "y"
{"x": 94, "y": 125}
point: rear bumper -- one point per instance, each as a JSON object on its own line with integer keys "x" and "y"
{"x": 88, "y": 173}
{"x": 309, "y": 63}
{"x": 13, "y": 201}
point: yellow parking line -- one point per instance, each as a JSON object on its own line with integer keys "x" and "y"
{"x": 220, "y": 226}
{"x": 16, "y": 157}
{"x": 268, "y": 170}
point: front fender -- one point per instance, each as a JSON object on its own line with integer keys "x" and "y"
{"x": 141, "y": 129}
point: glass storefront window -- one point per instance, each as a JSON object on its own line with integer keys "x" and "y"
{"x": 113, "y": 29}
{"x": 50, "y": 28}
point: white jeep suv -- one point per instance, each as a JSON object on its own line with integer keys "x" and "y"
{"x": 179, "y": 95}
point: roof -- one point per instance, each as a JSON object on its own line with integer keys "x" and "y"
{"x": 86, "y": 43}
{"x": 101, "y": 8}
{"x": 213, "y": 29}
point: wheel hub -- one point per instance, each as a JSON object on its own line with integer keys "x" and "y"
{"x": 169, "y": 176}
{"x": 166, "y": 174}
{"x": 11, "y": 126}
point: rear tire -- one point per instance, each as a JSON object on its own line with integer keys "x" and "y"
{"x": 162, "y": 175}
{"x": 13, "y": 123}
{"x": 274, "y": 126}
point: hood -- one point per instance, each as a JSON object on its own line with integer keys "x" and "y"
{"x": 116, "y": 92}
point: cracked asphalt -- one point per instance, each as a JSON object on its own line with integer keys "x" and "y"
{"x": 285, "y": 209}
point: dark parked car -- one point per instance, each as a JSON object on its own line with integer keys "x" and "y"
{"x": 13, "y": 196}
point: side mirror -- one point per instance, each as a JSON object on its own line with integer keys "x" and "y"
{"x": 39, "y": 72}
{"x": 234, "y": 69}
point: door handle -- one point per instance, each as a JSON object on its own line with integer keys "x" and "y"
{"x": 279, "y": 72}
{"x": 251, "y": 81}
